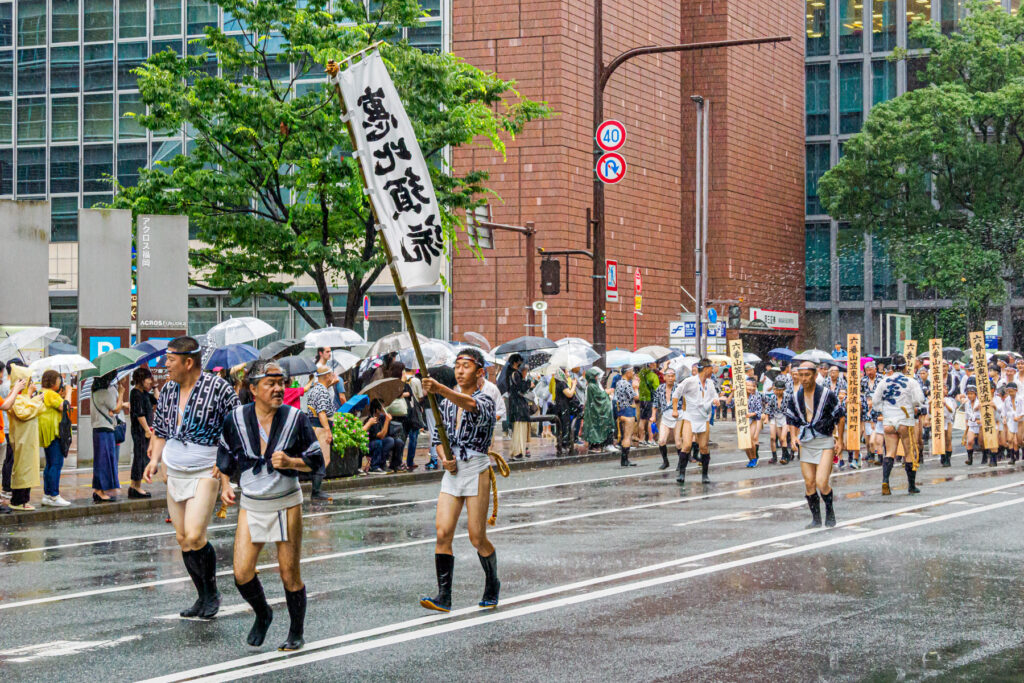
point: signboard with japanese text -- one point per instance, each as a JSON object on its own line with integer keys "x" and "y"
{"x": 776, "y": 320}
{"x": 936, "y": 416}
{"x": 989, "y": 433}
{"x": 396, "y": 174}
{"x": 739, "y": 394}
{"x": 853, "y": 392}
{"x": 611, "y": 283}
{"x": 162, "y": 276}
{"x": 910, "y": 353}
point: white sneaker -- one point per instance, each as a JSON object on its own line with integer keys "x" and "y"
{"x": 49, "y": 501}
{"x": 59, "y": 501}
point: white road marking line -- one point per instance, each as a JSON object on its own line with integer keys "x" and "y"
{"x": 780, "y": 545}
{"x": 538, "y": 503}
{"x": 555, "y": 590}
{"x": 59, "y": 648}
{"x": 567, "y": 601}
{"x": 331, "y": 513}
{"x": 424, "y": 541}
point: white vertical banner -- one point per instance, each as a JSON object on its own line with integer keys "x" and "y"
{"x": 397, "y": 176}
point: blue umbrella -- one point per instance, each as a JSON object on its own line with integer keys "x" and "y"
{"x": 355, "y": 403}
{"x": 153, "y": 348}
{"x": 782, "y": 353}
{"x": 231, "y": 355}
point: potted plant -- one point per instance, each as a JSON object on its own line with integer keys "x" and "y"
{"x": 350, "y": 443}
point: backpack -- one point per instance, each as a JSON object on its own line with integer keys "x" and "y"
{"x": 64, "y": 429}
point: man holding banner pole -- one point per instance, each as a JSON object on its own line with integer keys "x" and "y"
{"x": 898, "y": 397}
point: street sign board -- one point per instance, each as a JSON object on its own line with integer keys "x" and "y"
{"x": 712, "y": 316}
{"x": 611, "y": 135}
{"x": 991, "y": 335}
{"x": 611, "y": 168}
{"x": 638, "y": 283}
{"x": 366, "y": 307}
{"x": 611, "y": 282}
{"x": 776, "y": 320}
{"x": 638, "y": 302}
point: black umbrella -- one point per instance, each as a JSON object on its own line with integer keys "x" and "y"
{"x": 297, "y": 365}
{"x": 952, "y": 353}
{"x": 282, "y": 347}
{"x": 537, "y": 359}
{"x": 525, "y": 344}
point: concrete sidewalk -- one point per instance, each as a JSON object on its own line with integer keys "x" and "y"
{"x": 76, "y": 483}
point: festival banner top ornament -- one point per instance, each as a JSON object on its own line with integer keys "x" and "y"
{"x": 397, "y": 176}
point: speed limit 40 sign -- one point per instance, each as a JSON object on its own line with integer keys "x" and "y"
{"x": 611, "y": 135}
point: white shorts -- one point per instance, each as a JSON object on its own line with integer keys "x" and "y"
{"x": 667, "y": 421}
{"x": 465, "y": 482}
{"x": 698, "y": 423}
{"x": 1011, "y": 426}
{"x": 267, "y": 527}
{"x": 902, "y": 422}
{"x": 777, "y": 420}
{"x": 869, "y": 428}
{"x": 181, "y": 486}
{"x": 974, "y": 429}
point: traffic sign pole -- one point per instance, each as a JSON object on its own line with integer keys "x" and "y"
{"x": 366, "y": 319}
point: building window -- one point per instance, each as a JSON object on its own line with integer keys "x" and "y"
{"x": 950, "y": 11}
{"x": 5, "y": 122}
{"x": 32, "y": 71}
{"x": 65, "y": 21}
{"x": 6, "y": 172}
{"x": 31, "y": 120}
{"x": 164, "y": 152}
{"x": 130, "y": 56}
{"x": 851, "y": 27}
{"x": 850, "y": 255}
{"x": 884, "y": 283}
{"x": 130, "y": 107}
{"x": 200, "y": 14}
{"x": 817, "y": 333}
{"x": 91, "y": 200}
{"x": 64, "y": 169}
{"x": 917, "y": 10}
{"x": 209, "y": 67}
{"x": 166, "y": 17}
{"x": 99, "y": 21}
{"x": 64, "y": 218}
{"x": 883, "y": 25}
{"x": 99, "y": 67}
{"x": 64, "y": 119}
{"x": 883, "y": 80}
{"x": 64, "y": 315}
{"x": 6, "y": 73}
{"x": 818, "y": 259}
{"x": 817, "y": 164}
{"x": 817, "y": 98}
{"x": 427, "y": 38}
{"x": 851, "y": 97}
{"x": 32, "y": 171}
{"x": 817, "y": 28}
{"x": 130, "y": 158}
{"x": 6, "y": 25}
{"x": 64, "y": 69}
{"x": 97, "y": 162}
{"x": 98, "y": 118}
{"x": 916, "y": 76}
{"x": 31, "y": 22}
{"x": 131, "y": 18}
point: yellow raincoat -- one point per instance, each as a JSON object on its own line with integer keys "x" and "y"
{"x": 25, "y": 433}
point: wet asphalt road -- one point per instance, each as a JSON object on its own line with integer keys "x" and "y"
{"x": 607, "y": 574}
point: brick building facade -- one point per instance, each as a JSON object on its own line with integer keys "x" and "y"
{"x": 756, "y": 247}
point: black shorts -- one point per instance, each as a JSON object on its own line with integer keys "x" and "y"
{"x": 646, "y": 409}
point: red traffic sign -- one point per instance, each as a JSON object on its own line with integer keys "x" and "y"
{"x": 611, "y": 135}
{"x": 611, "y": 168}
{"x": 638, "y": 283}
{"x": 366, "y": 307}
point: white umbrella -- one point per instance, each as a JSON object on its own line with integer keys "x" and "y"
{"x": 683, "y": 365}
{"x": 751, "y": 358}
{"x": 435, "y": 352}
{"x": 617, "y": 358}
{"x": 657, "y": 352}
{"x": 62, "y": 363}
{"x": 477, "y": 339}
{"x": 566, "y": 341}
{"x": 813, "y": 355}
{"x": 238, "y": 331}
{"x": 334, "y": 337}
{"x": 29, "y": 337}
{"x": 393, "y": 343}
{"x": 572, "y": 356}
{"x": 344, "y": 360}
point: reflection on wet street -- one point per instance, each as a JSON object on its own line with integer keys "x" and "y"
{"x": 611, "y": 575}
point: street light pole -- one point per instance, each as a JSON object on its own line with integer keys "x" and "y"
{"x": 698, "y": 227}
{"x": 601, "y": 75}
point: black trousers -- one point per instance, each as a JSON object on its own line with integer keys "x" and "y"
{"x": 565, "y": 432}
{"x": 140, "y": 458}
{"x": 8, "y": 466}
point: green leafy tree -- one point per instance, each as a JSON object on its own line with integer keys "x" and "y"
{"x": 268, "y": 181}
{"x": 938, "y": 172}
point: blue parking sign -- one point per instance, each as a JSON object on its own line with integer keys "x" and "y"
{"x": 98, "y": 345}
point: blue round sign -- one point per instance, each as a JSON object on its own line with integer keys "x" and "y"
{"x": 712, "y": 316}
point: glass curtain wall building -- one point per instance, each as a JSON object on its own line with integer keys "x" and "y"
{"x": 849, "y": 282}
{"x": 67, "y": 93}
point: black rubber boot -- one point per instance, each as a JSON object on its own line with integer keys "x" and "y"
{"x": 297, "y": 618}
{"x": 624, "y": 461}
{"x": 984, "y": 457}
{"x": 211, "y": 601}
{"x": 445, "y": 567}
{"x": 705, "y": 462}
{"x": 775, "y": 458}
{"x": 664, "y": 457}
{"x": 786, "y": 457}
{"x": 970, "y": 456}
{"x": 318, "y": 480}
{"x": 192, "y": 564}
{"x": 993, "y": 458}
{"x": 694, "y": 454}
{"x": 947, "y": 459}
{"x": 684, "y": 460}
{"x": 814, "y": 503}
{"x": 491, "y": 584}
{"x": 830, "y": 514}
{"x": 252, "y": 593}
{"x": 911, "y": 479}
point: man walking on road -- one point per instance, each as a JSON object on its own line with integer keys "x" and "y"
{"x": 645, "y": 396}
{"x": 694, "y": 400}
{"x": 320, "y": 402}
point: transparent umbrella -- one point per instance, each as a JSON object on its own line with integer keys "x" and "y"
{"x": 572, "y": 356}
{"x": 239, "y": 331}
{"x": 334, "y": 337}
{"x": 62, "y": 363}
{"x": 393, "y": 343}
{"x": 30, "y": 337}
